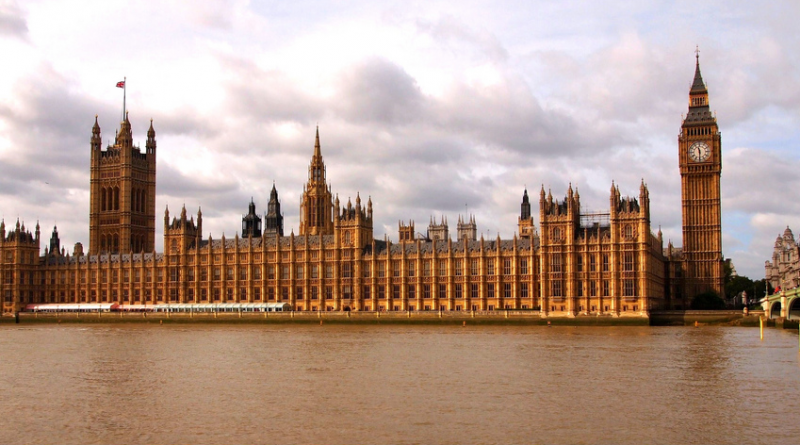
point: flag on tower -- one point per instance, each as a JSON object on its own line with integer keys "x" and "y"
{"x": 121, "y": 84}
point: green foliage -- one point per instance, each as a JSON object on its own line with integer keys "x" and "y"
{"x": 760, "y": 287}
{"x": 727, "y": 271}
{"x": 737, "y": 285}
{"x": 707, "y": 301}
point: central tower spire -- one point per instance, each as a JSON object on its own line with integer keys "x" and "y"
{"x": 316, "y": 204}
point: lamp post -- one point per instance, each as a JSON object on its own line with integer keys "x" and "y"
{"x": 783, "y": 297}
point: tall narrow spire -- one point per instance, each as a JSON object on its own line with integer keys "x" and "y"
{"x": 315, "y": 205}
{"x": 698, "y": 86}
{"x": 698, "y": 98}
{"x": 317, "y": 152}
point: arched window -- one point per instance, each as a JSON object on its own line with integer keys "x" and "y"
{"x": 116, "y": 198}
{"x": 347, "y": 237}
{"x": 174, "y": 246}
{"x": 103, "y": 199}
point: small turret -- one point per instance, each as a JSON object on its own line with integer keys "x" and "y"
{"x": 405, "y": 231}
{"x": 467, "y": 228}
{"x": 125, "y": 135}
{"x": 525, "y": 207}
{"x": 273, "y": 220}
{"x": 251, "y": 223}
{"x": 150, "y": 145}
{"x": 96, "y": 140}
{"x": 55, "y": 242}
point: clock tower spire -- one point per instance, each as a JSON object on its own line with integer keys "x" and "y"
{"x": 700, "y": 162}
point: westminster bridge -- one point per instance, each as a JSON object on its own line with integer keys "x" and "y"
{"x": 784, "y": 304}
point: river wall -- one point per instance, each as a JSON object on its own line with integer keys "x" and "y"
{"x": 660, "y": 318}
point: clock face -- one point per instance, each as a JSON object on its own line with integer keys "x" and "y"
{"x": 699, "y": 152}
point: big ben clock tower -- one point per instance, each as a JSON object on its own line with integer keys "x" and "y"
{"x": 700, "y": 160}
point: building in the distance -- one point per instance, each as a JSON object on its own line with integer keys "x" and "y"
{"x": 784, "y": 270}
{"x": 576, "y": 264}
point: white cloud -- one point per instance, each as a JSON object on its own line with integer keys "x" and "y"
{"x": 425, "y": 106}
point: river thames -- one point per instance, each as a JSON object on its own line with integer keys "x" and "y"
{"x": 221, "y": 384}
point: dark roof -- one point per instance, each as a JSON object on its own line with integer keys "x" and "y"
{"x": 698, "y": 86}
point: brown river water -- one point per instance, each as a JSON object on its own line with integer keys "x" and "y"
{"x": 221, "y": 384}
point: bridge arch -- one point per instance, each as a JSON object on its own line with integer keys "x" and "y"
{"x": 794, "y": 309}
{"x": 775, "y": 310}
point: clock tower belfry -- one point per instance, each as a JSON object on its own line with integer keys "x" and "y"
{"x": 700, "y": 161}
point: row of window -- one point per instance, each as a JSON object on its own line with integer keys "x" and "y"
{"x": 460, "y": 291}
{"x": 628, "y": 262}
{"x": 382, "y": 292}
{"x": 283, "y": 271}
{"x": 25, "y": 257}
{"x": 629, "y": 288}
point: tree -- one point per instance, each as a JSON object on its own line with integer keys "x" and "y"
{"x": 707, "y": 301}
{"x": 737, "y": 285}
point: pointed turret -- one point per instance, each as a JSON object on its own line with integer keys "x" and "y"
{"x": 251, "y": 223}
{"x": 55, "y": 242}
{"x": 273, "y": 220}
{"x": 96, "y": 139}
{"x": 125, "y": 135}
{"x": 199, "y": 222}
{"x": 150, "y": 145}
{"x": 525, "y": 208}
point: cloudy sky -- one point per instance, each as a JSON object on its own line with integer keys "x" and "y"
{"x": 430, "y": 108}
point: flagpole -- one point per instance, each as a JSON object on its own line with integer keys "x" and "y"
{"x": 124, "y": 94}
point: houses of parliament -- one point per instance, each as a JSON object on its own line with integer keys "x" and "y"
{"x": 573, "y": 264}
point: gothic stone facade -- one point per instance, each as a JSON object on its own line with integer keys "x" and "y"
{"x": 784, "y": 269}
{"x": 577, "y": 264}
